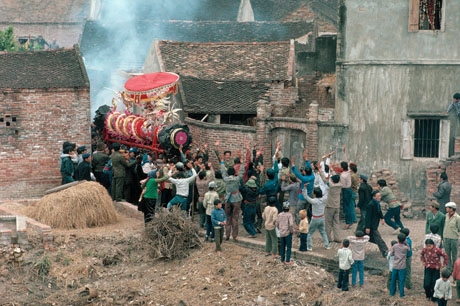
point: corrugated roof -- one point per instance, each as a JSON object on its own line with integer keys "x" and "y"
{"x": 42, "y": 69}
{"x": 214, "y": 97}
{"x": 228, "y": 61}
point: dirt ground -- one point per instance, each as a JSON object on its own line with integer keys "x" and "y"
{"x": 111, "y": 266}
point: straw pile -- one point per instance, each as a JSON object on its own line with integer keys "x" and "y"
{"x": 171, "y": 236}
{"x": 85, "y": 205}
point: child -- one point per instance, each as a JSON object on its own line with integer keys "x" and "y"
{"x": 358, "y": 253}
{"x": 399, "y": 251}
{"x": 456, "y": 277}
{"x": 219, "y": 219}
{"x": 442, "y": 288}
{"x": 285, "y": 224}
{"x": 345, "y": 262}
{"x": 270, "y": 215}
{"x": 434, "y": 229}
{"x": 408, "y": 282}
{"x": 208, "y": 204}
{"x": 303, "y": 230}
{"x": 431, "y": 259}
{"x": 390, "y": 258}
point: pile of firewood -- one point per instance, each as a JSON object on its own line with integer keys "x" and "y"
{"x": 170, "y": 235}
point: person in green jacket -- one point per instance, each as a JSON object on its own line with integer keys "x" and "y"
{"x": 149, "y": 194}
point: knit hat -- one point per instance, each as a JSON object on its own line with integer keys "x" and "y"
{"x": 86, "y": 155}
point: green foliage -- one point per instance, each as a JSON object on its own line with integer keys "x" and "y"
{"x": 60, "y": 257}
{"x": 43, "y": 266}
{"x": 7, "y": 42}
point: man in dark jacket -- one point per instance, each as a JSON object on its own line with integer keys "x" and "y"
{"x": 119, "y": 165}
{"x": 84, "y": 169}
{"x": 374, "y": 216}
{"x": 364, "y": 197}
{"x": 443, "y": 193}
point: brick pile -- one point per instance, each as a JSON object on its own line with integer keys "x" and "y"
{"x": 389, "y": 177}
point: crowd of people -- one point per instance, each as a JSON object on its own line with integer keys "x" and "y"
{"x": 284, "y": 201}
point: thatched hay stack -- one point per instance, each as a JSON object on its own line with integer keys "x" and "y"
{"x": 85, "y": 205}
{"x": 171, "y": 236}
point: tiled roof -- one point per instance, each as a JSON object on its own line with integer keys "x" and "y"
{"x": 98, "y": 39}
{"x": 229, "y": 97}
{"x": 42, "y": 69}
{"x": 228, "y": 61}
{"x": 41, "y": 11}
{"x": 270, "y": 10}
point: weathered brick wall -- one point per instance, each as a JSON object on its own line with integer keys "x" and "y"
{"x": 232, "y": 137}
{"x": 31, "y": 146}
{"x": 452, "y": 169}
{"x": 282, "y": 98}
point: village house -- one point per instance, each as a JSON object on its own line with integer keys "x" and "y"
{"x": 398, "y": 66}
{"x": 44, "y": 101}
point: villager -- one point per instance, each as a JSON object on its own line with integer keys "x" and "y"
{"x": 271, "y": 187}
{"x": 284, "y": 171}
{"x": 67, "y": 169}
{"x": 374, "y": 216}
{"x": 442, "y": 195}
{"x": 345, "y": 262}
{"x": 270, "y": 216}
{"x": 84, "y": 169}
{"x": 248, "y": 207}
{"x": 399, "y": 251}
{"x": 358, "y": 243}
{"x": 394, "y": 206}
{"x": 149, "y": 194}
{"x": 364, "y": 197}
{"x": 456, "y": 277}
{"x": 307, "y": 179}
{"x": 390, "y": 258}
{"x": 355, "y": 181}
{"x": 233, "y": 198}
{"x": 208, "y": 204}
{"x": 182, "y": 183}
{"x": 227, "y": 157}
{"x": 291, "y": 185}
{"x": 454, "y": 105}
{"x": 332, "y": 210}
{"x": 347, "y": 196}
{"x": 219, "y": 220}
{"x": 431, "y": 258}
{"x": 119, "y": 165}
{"x": 450, "y": 235}
{"x": 285, "y": 225}
{"x": 202, "y": 185}
{"x": 442, "y": 288}
{"x": 100, "y": 158}
{"x": 303, "y": 230}
{"x": 318, "y": 204}
{"x": 433, "y": 235}
{"x": 435, "y": 217}
{"x": 408, "y": 280}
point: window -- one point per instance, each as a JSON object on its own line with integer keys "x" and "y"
{"x": 425, "y": 15}
{"x": 425, "y": 137}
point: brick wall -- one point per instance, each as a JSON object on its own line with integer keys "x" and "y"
{"x": 31, "y": 146}
{"x": 452, "y": 169}
{"x": 232, "y": 137}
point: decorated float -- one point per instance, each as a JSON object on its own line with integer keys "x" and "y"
{"x": 148, "y": 118}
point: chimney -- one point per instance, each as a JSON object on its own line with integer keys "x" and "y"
{"x": 245, "y": 13}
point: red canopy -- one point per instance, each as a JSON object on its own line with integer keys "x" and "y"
{"x": 152, "y": 86}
